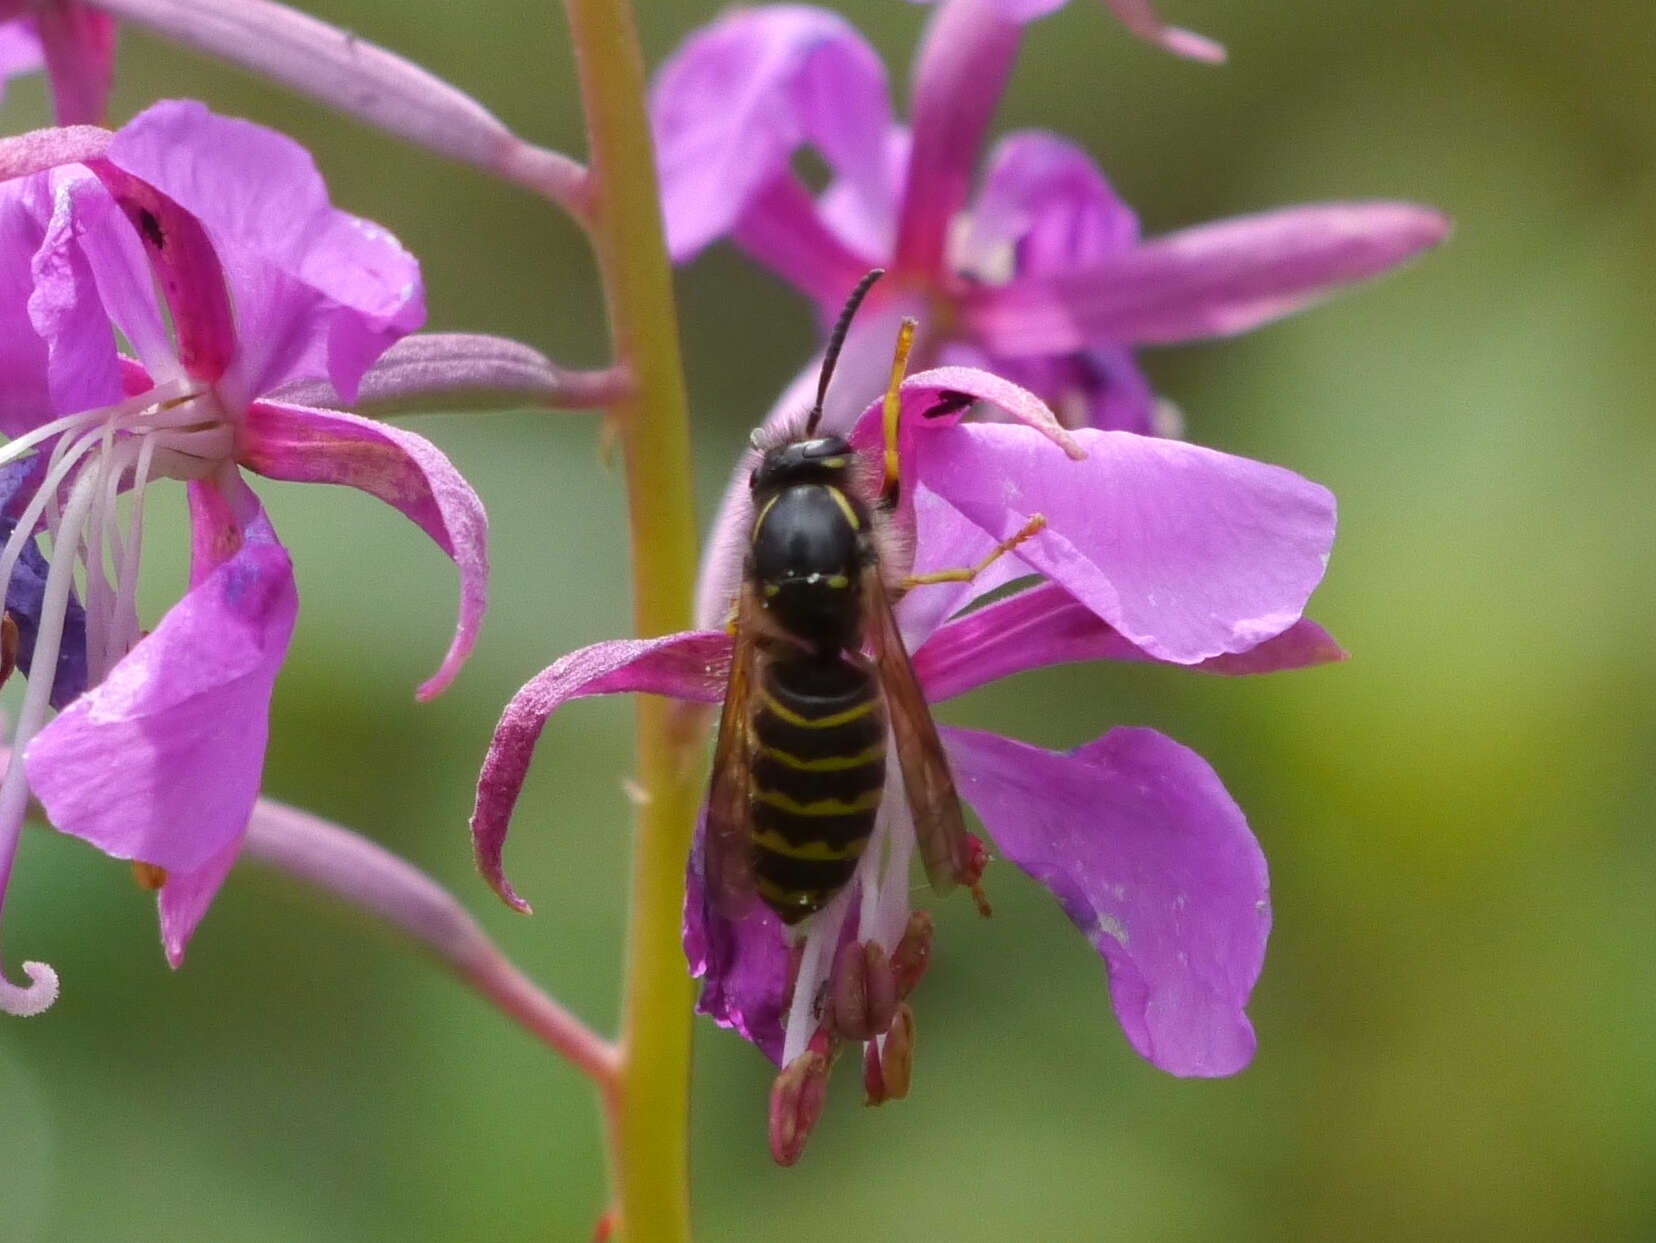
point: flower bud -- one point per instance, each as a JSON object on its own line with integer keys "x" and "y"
{"x": 863, "y": 991}
{"x": 796, "y": 1102}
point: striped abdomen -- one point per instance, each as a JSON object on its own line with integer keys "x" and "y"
{"x": 819, "y": 731}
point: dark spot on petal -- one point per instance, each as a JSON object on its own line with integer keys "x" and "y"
{"x": 150, "y": 227}
{"x": 947, "y": 403}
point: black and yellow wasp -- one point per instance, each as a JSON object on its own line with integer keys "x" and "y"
{"x": 800, "y": 765}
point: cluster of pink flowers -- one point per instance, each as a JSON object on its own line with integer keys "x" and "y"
{"x": 180, "y": 300}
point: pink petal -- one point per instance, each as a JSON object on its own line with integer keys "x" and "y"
{"x": 188, "y": 271}
{"x": 405, "y": 471}
{"x": 79, "y": 43}
{"x": 161, "y": 761}
{"x": 932, "y": 400}
{"x": 960, "y": 72}
{"x": 731, "y": 106}
{"x": 781, "y": 229}
{"x": 694, "y": 665}
{"x": 1151, "y": 858}
{"x": 1045, "y": 625}
{"x": 185, "y": 897}
{"x": 1186, "y": 551}
{"x": 743, "y": 964}
{"x": 317, "y": 290}
{"x": 1046, "y": 197}
{"x": 25, "y": 394}
{"x": 20, "y": 50}
{"x": 1212, "y": 280}
{"x": 91, "y": 274}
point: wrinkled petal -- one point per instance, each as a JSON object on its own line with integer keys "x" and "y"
{"x": 318, "y": 292}
{"x": 27, "y": 592}
{"x": 743, "y": 964}
{"x": 1151, "y": 858}
{"x": 161, "y": 761}
{"x": 185, "y": 897}
{"x": 1045, "y": 625}
{"x": 405, "y": 471}
{"x": 25, "y": 395}
{"x": 1211, "y": 280}
{"x": 79, "y": 45}
{"x": 1186, "y": 551}
{"x": 693, "y": 665}
{"x": 960, "y": 72}
{"x": 730, "y": 107}
{"x": 90, "y": 272}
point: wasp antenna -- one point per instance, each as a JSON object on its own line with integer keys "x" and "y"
{"x": 836, "y": 340}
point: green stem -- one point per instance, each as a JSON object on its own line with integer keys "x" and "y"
{"x": 649, "y": 1107}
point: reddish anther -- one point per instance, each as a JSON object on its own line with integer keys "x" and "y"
{"x": 796, "y": 1101}
{"x": 977, "y": 859}
{"x": 9, "y": 639}
{"x": 148, "y": 875}
{"x": 913, "y": 953}
{"x": 863, "y": 991}
{"x": 889, "y": 1064}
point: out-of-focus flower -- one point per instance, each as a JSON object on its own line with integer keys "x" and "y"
{"x": 1041, "y": 277}
{"x": 210, "y": 246}
{"x": 73, "y": 42}
{"x": 1139, "y": 16}
{"x": 1153, "y": 550}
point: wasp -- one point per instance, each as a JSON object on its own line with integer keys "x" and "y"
{"x": 799, "y": 768}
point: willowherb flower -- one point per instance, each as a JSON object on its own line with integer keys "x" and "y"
{"x": 1042, "y": 277}
{"x": 1152, "y": 550}
{"x": 1139, "y": 16}
{"x": 210, "y": 246}
{"x": 73, "y": 42}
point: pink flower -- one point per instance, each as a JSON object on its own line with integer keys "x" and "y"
{"x": 1040, "y": 275}
{"x": 73, "y": 42}
{"x": 263, "y": 283}
{"x": 1153, "y": 550}
{"x": 1139, "y": 16}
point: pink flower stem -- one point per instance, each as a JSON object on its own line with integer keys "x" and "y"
{"x": 648, "y": 1122}
{"x": 369, "y": 876}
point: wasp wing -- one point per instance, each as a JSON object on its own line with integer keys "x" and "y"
{"x": 938, "y": 824}
{"x": 726, "y": 848}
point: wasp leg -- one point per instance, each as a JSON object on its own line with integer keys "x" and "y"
{"x": 892, "y": 482}
{"x": 967, "y": 573}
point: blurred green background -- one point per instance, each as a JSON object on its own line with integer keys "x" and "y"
{"x": 1456, "y": 1014}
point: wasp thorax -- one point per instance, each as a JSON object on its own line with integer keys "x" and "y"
{"x": 826, "y": 459}
{"x": 809, "y": 546}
